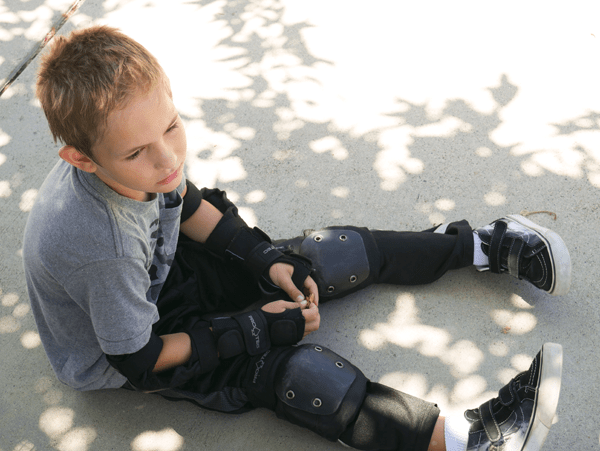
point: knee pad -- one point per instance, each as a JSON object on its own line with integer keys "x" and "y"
{"x": 342, "y": 257}
{"x": 319, "y": 390}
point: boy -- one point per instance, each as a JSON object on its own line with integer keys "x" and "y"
{"x": 124, "y": 259}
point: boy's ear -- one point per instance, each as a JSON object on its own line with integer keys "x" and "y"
{"x": 72, "y": 156}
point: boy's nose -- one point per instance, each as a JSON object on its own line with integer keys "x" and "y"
{"x": 166, "y": 157}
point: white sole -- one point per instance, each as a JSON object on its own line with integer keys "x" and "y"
{"x": 559, "y": 255}
{"x": 546, "y": 396}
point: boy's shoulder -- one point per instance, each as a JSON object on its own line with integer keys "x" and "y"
{"x": 76, "y": 218}
{"x": 65, "y": 207}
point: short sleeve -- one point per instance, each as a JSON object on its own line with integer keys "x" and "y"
{"x": 113, "y": 294}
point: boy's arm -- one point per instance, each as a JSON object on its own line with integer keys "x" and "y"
{"x": 170, "y": 360}
{"x": 177, "y": 347}
{"x": 210, "y": 218}
{"x": 176, "y": 350}
{"x": 202, "y": 222}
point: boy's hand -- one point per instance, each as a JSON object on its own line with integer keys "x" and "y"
{"x": 281, "y": 275}
{"x": 310, "y": 312}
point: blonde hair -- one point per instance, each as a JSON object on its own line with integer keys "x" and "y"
{"x": 86, "y": 76}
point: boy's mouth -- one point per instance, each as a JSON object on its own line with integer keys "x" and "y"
{"x": 170, "y": 178}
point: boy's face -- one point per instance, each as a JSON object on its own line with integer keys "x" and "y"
{"x": 143, "y": 148}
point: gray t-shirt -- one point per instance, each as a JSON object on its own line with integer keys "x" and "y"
{"x": 95, "y": 262}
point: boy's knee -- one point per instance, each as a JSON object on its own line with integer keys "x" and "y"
{"x": 310, "y": 386}
{"x": 344, "y": 259}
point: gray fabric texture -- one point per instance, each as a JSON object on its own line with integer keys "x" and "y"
{"x": 95, "y": 262}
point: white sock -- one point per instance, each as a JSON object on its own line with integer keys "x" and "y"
{"x": 479, "y": 258}
{"x": 441, "y": 228}
{"x": 456, "y": 433}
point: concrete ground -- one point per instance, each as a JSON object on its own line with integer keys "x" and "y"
{"x": 392, "y": 115}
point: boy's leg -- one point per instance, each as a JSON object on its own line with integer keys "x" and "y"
{"x": 311, "y": 386}
{"x": 374, "y": 416}
{"x": 315, "y": 388}
{"x": 414, "y": 258}
{"x": 347, "y": 259}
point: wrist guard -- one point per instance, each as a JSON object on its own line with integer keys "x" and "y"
{"x": 232, "y": 238}
{"x": 256, "y": 331}
{"x": 254, "y": 249}
{"x": 302, "y": 269}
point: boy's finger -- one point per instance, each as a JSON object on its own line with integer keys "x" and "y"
{"x": 288, "y": 286}
{"x": 311, "y": 313}
{"x": 313, "y": 289}
{"x": 286, "y": 305}
{"x": 301, "y": 299}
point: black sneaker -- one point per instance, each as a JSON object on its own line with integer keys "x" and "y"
{"x": 520, "y": 417}
{"x": 527, "y": 251}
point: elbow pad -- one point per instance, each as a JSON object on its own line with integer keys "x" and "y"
{"x": 138, "y": 367}
{"x": 193, "y": 197}
{"x": 134, "y": 366}
{"x": 233, "y": 239}
{"x": 255, "y": 332}
{"x": 191, "y": 201}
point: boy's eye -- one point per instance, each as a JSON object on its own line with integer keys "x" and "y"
{"x": 135, "y": 154}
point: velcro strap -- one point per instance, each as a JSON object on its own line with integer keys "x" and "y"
{"x": 261, "y": 257}
{"x": 286, "y": 328}
{"x": 243, "y": 243}
{"x": 514, "y": 256}
{"x": 204, "y": 349}
{"x": 224, "y": 232}
{"x": 495, "y": 244}
{"x": 230, "y": 341}
{"x": 490, "y": 426}
{"x": 223, "y": 324}
{"x": 506, "y": 395}
{"x": 230, "y": 344}
{"x": 255, "y": 331}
